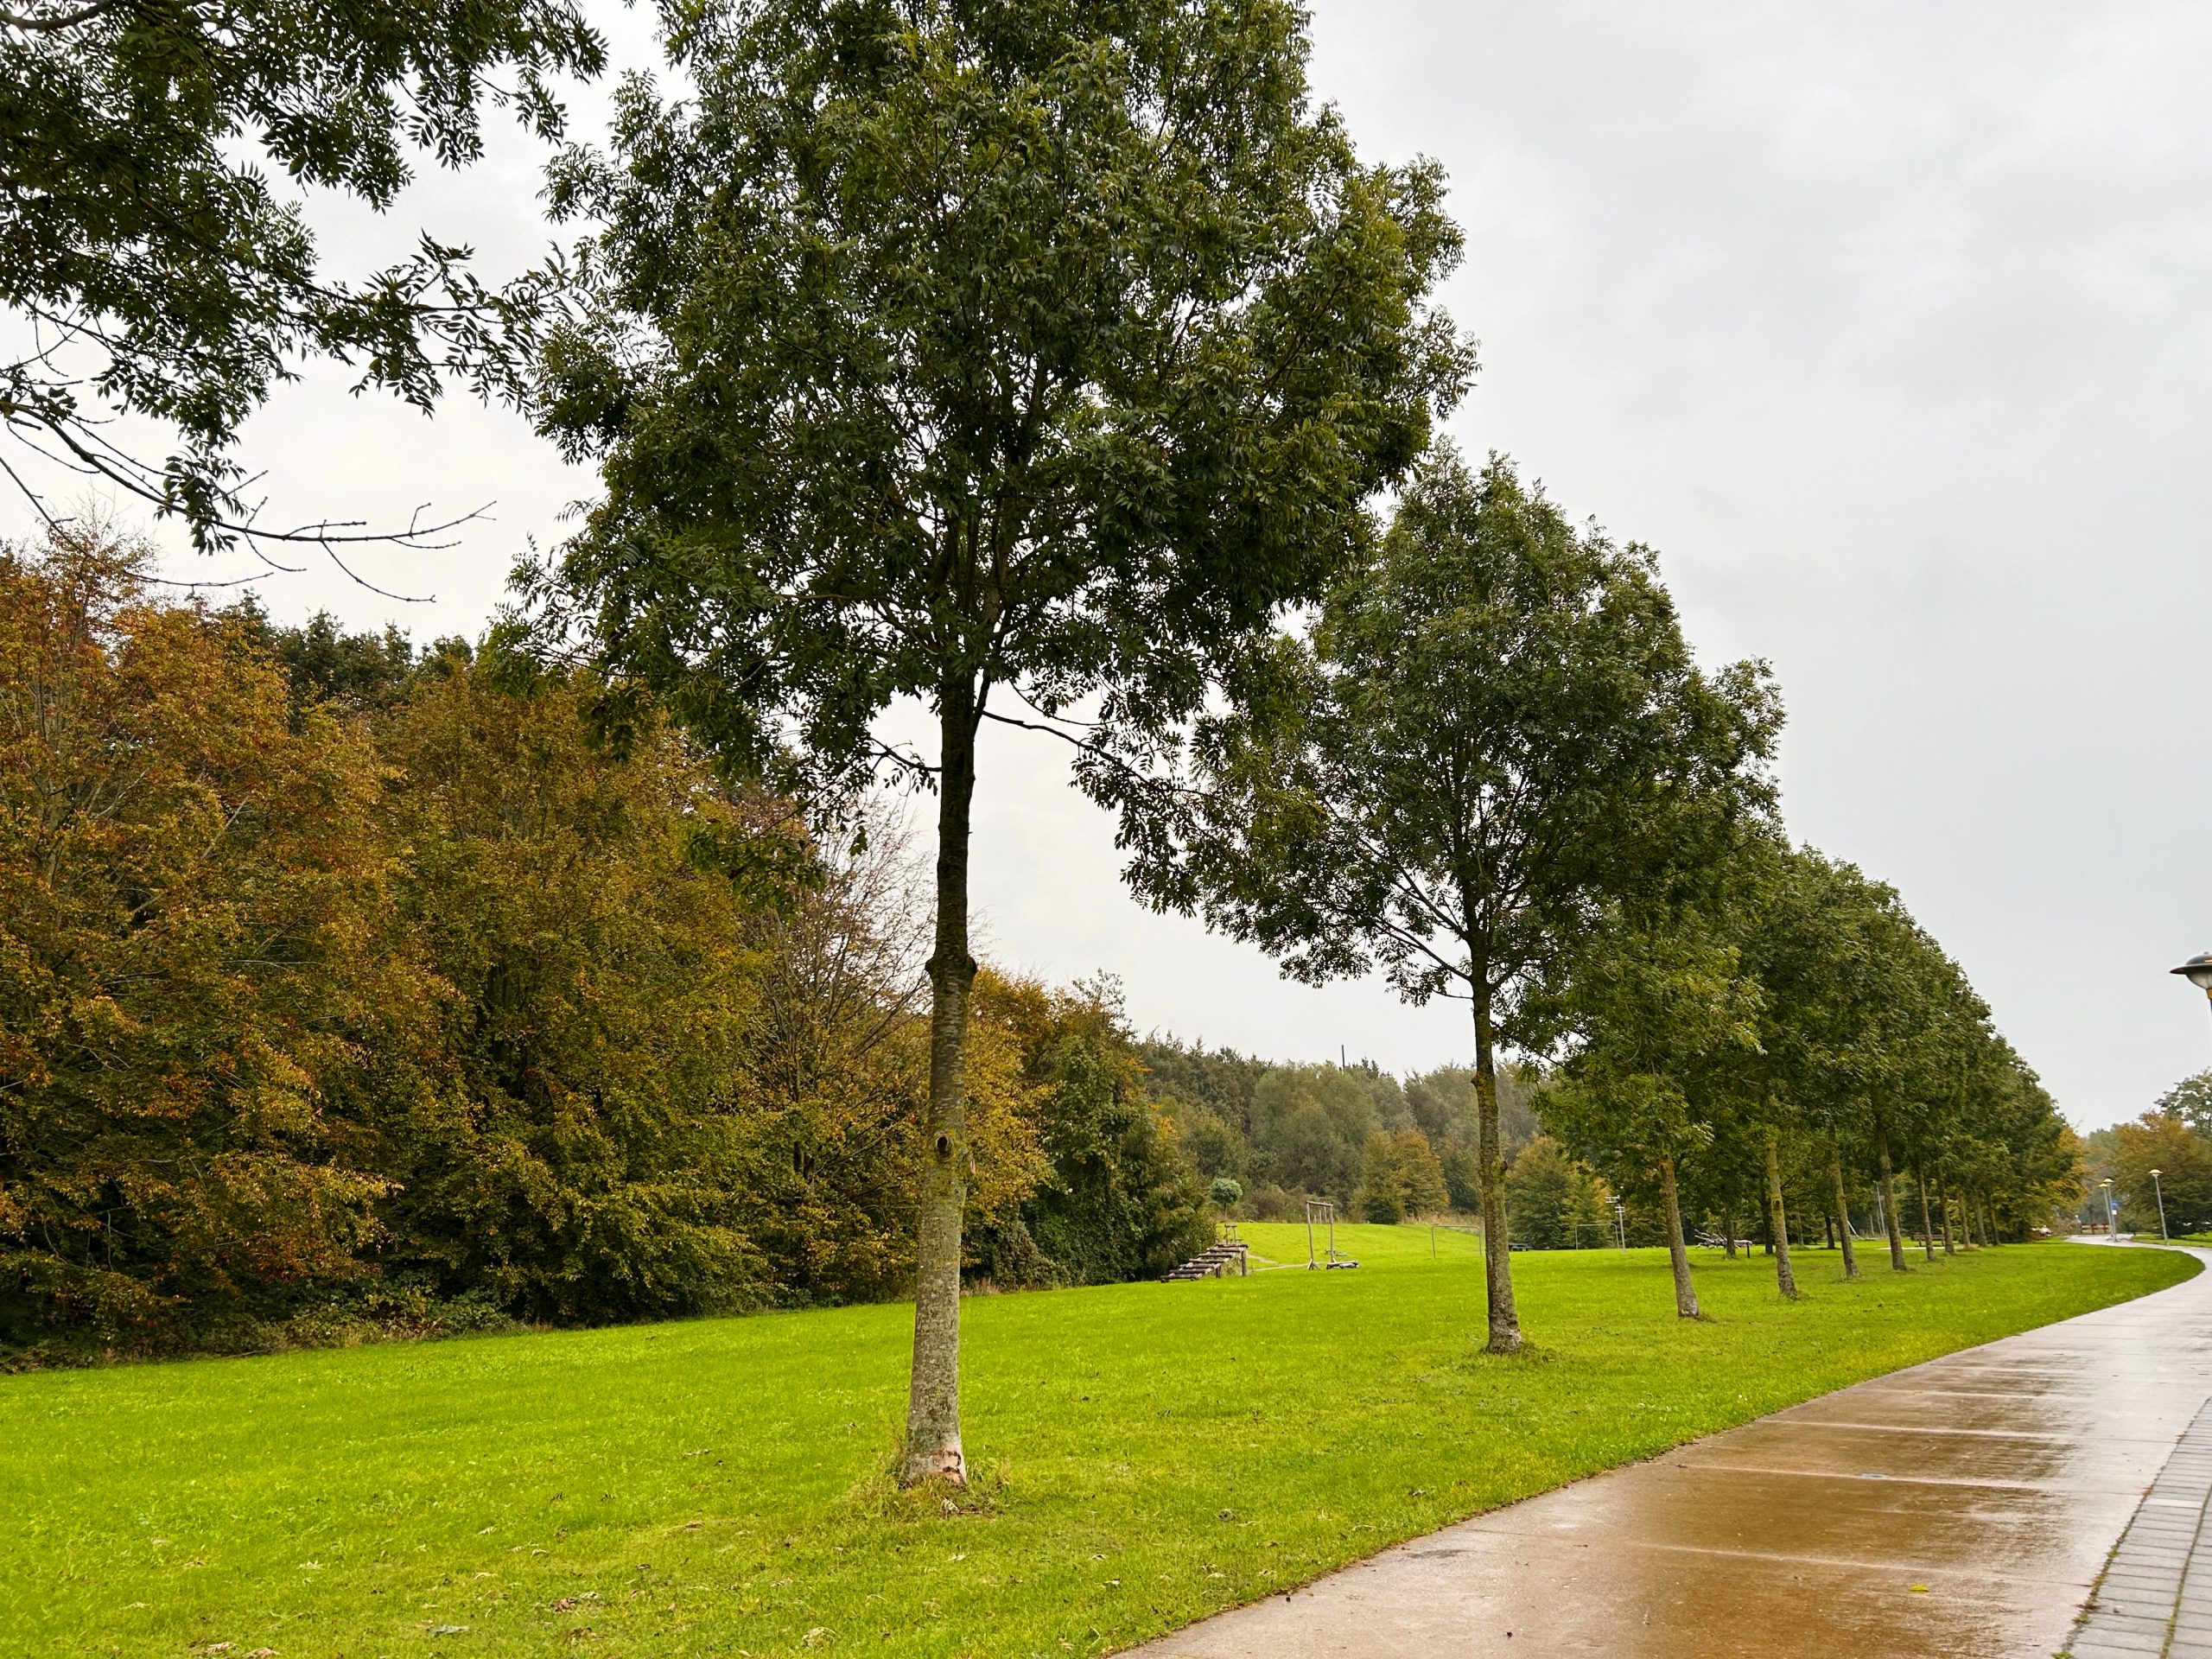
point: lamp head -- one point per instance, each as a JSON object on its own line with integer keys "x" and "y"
{"x": 2197, "y": 971}
{"x": 2158, "y": 1172}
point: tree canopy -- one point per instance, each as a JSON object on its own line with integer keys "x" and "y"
{"x": 158, "y": 269}
{"x": 1495, "y": 729}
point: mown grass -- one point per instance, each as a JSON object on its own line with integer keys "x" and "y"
{"x": 1144, "y": 1453}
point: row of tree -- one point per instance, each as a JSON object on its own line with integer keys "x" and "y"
{"x": 1791, "y": 1015}
{"x": 1492, "y": 770}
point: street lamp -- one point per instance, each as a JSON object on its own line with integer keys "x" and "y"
{"x": 1620, "y": 1221}
{"x": 2111, "y": 1211}
{"x": 2197, "y": 971}
{"x": 2161, "y": 1192}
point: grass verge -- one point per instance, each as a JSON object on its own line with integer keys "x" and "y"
{"x": 1145, "y": 1454}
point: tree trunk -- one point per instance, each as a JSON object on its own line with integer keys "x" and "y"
{"x": 933, "y": 1399}
{"x": 1842, "y": 1213}
{"x": 1497, "y": 1247}
{"x": 1926, "y": 1227}
{"x": 1678, "y": 1256}
{"x": 1728, "y": 1229}
{"x": 1943, "y": 1207}
{"x": 1777, "y": 1218}
{"x": 1889, "y": 1202}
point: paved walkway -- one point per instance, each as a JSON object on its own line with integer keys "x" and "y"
{"x": 1966, "y": 1507}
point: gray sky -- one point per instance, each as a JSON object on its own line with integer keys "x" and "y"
{"x": 1888, "y": 325}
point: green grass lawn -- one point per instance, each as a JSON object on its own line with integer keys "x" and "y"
{"x": 1145, "y": 1454}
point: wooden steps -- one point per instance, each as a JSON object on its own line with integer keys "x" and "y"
{"x": 1222, "y": 1261}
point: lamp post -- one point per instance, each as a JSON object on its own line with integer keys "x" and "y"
{"x": 1620, "y": 1221}
{"x": 2197, "y": 971}
{"x": 2112, "y": 1212}
{"x": 2160, "y": 1190}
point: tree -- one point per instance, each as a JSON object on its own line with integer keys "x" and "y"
{"x": 2190, "y": 1099}
{"x": 1400, "y": 1178}
{"x": 157, "y": 270}
{"x": 584, "y": 1151}
{"x": 1656, "y": 1016}
{"x": 1807, "y": 958}
{"x": 992, "y": 357}
{"x": 1486, "y": 740}
{"x": 1856, "y": 991}
{"x": 2161, "y": 1140}
{"x": 1115, "y": 1198}
{"x": 196, "y": 998}
{"x": 1553, "y": 1201}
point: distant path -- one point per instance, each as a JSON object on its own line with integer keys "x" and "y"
{"x": 1963, "y": 1507}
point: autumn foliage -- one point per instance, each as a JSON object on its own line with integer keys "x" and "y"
{"x": 342, "y": 988}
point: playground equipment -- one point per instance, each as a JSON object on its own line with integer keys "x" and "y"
{"x": 1322, "y": 1211}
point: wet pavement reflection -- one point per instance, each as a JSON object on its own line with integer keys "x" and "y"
{"x": 1964, "y": 1507}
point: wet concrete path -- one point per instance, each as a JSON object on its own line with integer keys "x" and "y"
{"x": 1964, "y": 1507}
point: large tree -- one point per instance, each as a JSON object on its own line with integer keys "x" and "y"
{"x": 152, "y": 267}
{"x": 1810, "y": 960}
{"x": 1004, "y": 356}
{"x": 1495, "y": 731}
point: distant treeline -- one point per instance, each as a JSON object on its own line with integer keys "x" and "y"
{"x": 1383, "y": 1151}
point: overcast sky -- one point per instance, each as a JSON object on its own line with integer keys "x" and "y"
{"x": 1888, "y": 325}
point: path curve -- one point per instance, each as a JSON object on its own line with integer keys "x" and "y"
{"x": 1962, "y": 1508}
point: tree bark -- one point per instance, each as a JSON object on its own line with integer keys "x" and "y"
{"x": 1926, "y": 1227}
{"x": 1943, "y": 1208}
{"x": 1497, "y": 1245}
{"x": 1889, "y": 1202}
{"x": 1842, "y": 1212}
{"x": 933, "y": 1451}
{"x": 1777, "y": 1218}
{"x": 1728, "y": 1230}
{"x": 1678, "y": 1256}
